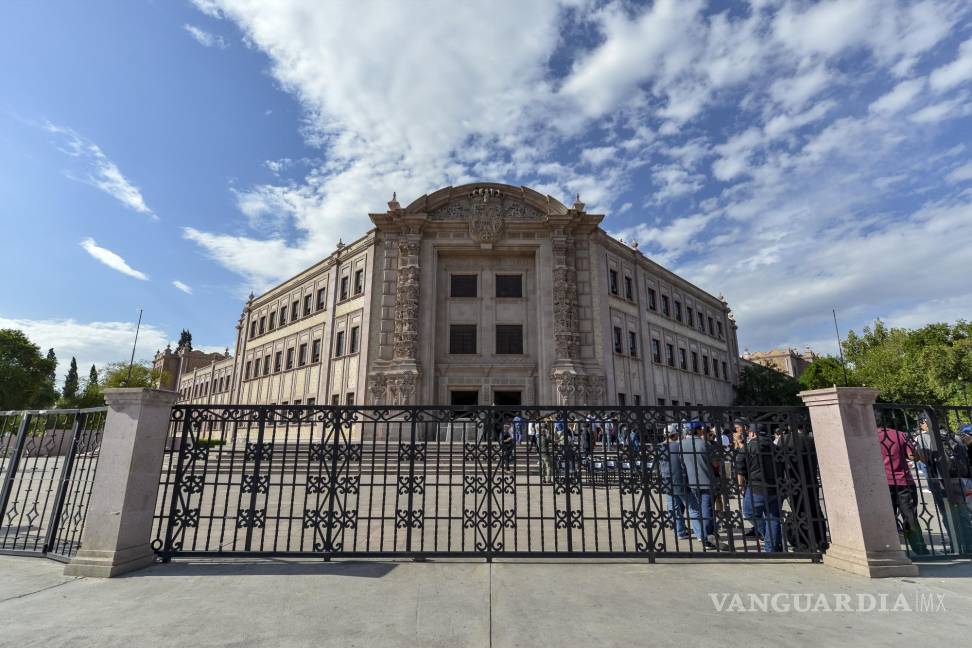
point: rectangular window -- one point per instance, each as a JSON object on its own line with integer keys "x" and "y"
{"x": 462, "y": 338}
{"x": 462, "y": 286}
{"x": 307, "y": 305}
{"x": 344, "y": 288}
{"x": 665, "y": 306}
{"x": 613, "y": 281}
{"x": 358, "y": 282}
{"x": 296, "y": 401}
{"x": 295, "y": 311}
{"x": 316, "y": 351}
{"x": 278, "y": 361}
{"x": 621, "y": 399}
{"x": 256, "y": 367}
{"x": 655, "y": 350}
{"x": 691, "y": 315}
{"x": 312, "y": 401}
{"x": 353, "y": 340}
{"x": 349, "y": 398}
{"x": 682, "y": 359}
{"x": 509, "y": 286}
{"x": 266, "y": 365}
{"x": 253, "y": 326}
{"x": 725, "y": 371}
{"x": 335, "y": 399}
{"x": 273, "y": 320}
{"x": 321, "y": 298}
{"x": 263, "y": 324}
{"x": 509, "y": 339}
{"x": 283, "y": 315}
{"x": 715, "y": 367}
{"x": 661, "y": 401}
{"x": 678, "y": 310}
{"x": 674, "y": 403}
{"x": 670, "y": 355}
{"x": 637, "y": 400}
{"x": 628, "y": 288}
{"x": 618, "y": 345}
{"x": 302, "y": 355}
{"x": 705, "y": 365}
{"x": 701, "y": 322}
{"x": 652, "y": 303}
{"x": 719, "y": 328}
{"x": 711, "y": 327}
{"x": 339, "y": 344}
{"x": 633, "y": 344}
{"x": 695, "y": 362}
{"x": 290, "y": 358}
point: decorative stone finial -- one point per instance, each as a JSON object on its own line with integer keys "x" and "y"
{"x": 578, "y": 205}
{"x": 393, "y": 203}
{"x": 251, "y": 297}
{"x": 634, "y": 245}
{"x": 340, "y": 244}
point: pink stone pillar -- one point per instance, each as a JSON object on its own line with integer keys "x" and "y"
{"x": 864, "y": 537}
{"x": 118, "y": 527}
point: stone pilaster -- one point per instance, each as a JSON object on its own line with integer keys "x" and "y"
{"x": 863, "y": 533}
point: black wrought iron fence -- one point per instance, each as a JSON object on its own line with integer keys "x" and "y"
{"x": 490, "y": 481}
{"x": 47, "y": 463}
{"x": 926, "y": 459}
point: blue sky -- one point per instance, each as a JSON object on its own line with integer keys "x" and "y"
{"x": 174, "y": 156}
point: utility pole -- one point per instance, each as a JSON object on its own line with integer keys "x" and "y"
{"x": 840, "y": 348}
{"x": 134, "y": 344}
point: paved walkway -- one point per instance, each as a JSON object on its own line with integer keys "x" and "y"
{"x": 452, "y": 604}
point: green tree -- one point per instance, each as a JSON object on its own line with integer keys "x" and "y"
{"x": 142, "y": 375}
{"x": 92, "y": 396}
{"x": 25, "y": 374}
{"x": 930, "y": 365}
{"x": 759, "y": 385}
{"x": 826, "y": 371}
{"x": 70, "y": 392}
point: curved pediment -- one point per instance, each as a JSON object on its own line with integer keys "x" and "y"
{"x": 464, "y": 202}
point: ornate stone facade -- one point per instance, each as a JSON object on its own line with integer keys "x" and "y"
{"x": 551, "y": 310}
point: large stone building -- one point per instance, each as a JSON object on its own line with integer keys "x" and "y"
{"x": 484, "y": 293}
{"x": 787, "y": 360}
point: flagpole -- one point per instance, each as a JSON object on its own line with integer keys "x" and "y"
{"x": 134, "y": 344}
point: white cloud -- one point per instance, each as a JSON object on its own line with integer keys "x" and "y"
{"x": 960, "y": 173}
{"x": 111, "y": 259}
{"x": 940, "y": 111}
{"x": 102, "y": 173}
{"x": 205, "y": 38}
{"x": 97, "y": 343}
{"x": 952, "y": 74}
{"x": 902, "y": 95}
{"x": 183, "y": 287}
{"x": 598, "y": 155}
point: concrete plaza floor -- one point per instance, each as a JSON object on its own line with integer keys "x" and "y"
{"x": 450, "y": 604}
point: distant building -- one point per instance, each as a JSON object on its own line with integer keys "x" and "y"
{"x": 484, "y": 293}
{"x": 787, "y": 360}
{"x": 201, "y": 376}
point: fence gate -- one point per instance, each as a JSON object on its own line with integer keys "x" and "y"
{"x": 421, "y": 481}
{"x": 47, "y": 463}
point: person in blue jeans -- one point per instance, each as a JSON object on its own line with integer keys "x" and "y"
{"x": 672, "y": 472}
{"x": 759, "y": 471}
{"x": 742, "y": 433}
{"x": 700, "y": 483}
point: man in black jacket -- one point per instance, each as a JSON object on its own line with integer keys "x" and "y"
{"x": 760, "y": 471}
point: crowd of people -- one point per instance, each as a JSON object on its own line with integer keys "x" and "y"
{"x": 702, "y": 470}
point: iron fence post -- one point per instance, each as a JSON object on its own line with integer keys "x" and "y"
{"x": 167, "y": 547}
{"x": 332, "y": 481}
{"x": 66, "y": 471}
{"x": 255, "y": 478}
{"x": 410, "y": 511}
{"x": 13, "y": 464}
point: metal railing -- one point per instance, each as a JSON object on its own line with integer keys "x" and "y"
{"x": 48, "y": 460}
{"x": 426, "y": 481}
{"x": 926, "y": 459}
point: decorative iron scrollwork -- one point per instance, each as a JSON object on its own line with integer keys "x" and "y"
{"x": 414, "y": 484}
{"x": 573, "y": 518}
{"x": 249, "y": 518}
{"x": 255, "y": 483}
{"x": 410, "y": 519}
{"x": 258, "y": 452}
